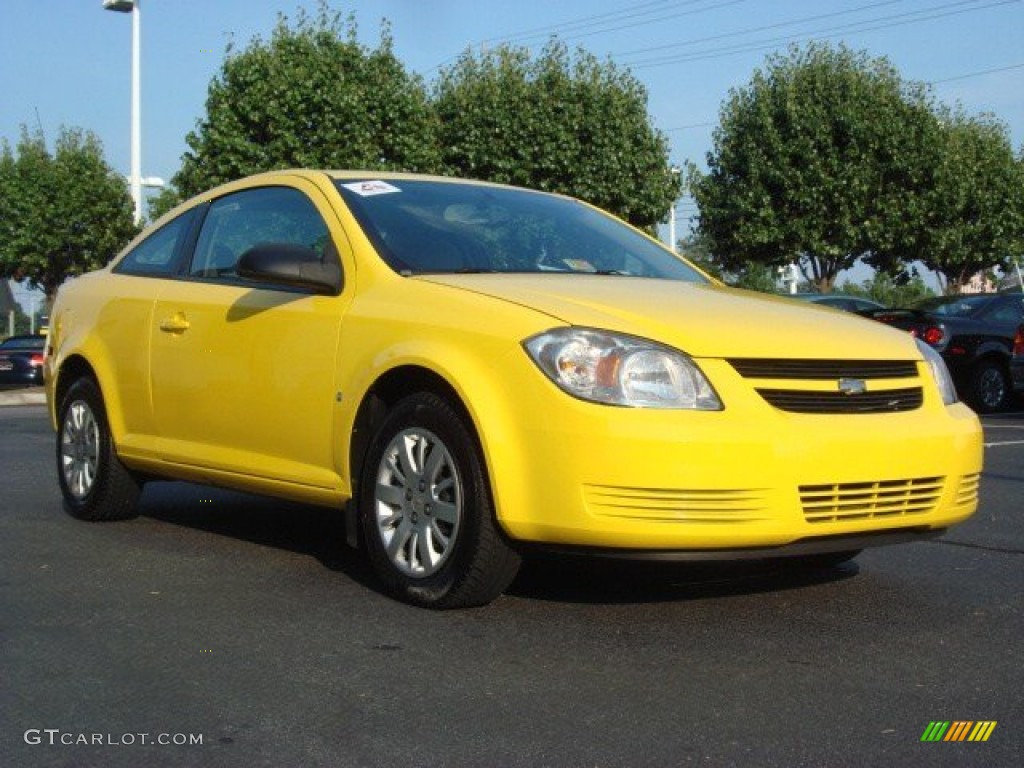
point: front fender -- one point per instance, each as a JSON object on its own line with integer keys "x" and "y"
{"x": 474, "y": 346}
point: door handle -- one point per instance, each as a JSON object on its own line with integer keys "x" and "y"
{"x": 176, "y": 323}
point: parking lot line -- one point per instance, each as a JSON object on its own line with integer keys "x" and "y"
{"x": 990, "y": 426}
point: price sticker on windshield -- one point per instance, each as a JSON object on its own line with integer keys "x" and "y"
{"x": 371, "y": 188}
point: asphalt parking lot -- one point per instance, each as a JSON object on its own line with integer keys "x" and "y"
{"x": 225, "y": 629}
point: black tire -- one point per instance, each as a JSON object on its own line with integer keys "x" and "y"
{"x": 434, "y": 509}
{"x": 95, "y": 485}
{"x": 989, "y": 386}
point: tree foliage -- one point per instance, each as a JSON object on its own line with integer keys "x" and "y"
{"x": 167, "y": 198}
{"x": 751, "y": 275}
{"x": 821, "y": 160}
{"x": 61, "y": 213}
{"x": 975, "y": 205}
{"x": 558, "y": 122}
{"x": 312, "y": 96}
{"x": 903, "y": 290}
{"x": 696, "y": 249}
{"x": 22, "y": 322}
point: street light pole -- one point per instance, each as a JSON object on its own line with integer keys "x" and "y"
{"x": 675, "y": 171}
{"x": 135, "y": 175}
{"x": 672, "y": 226}
{"x": 136, "y": 171}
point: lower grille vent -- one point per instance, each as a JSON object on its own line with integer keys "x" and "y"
{"x": 864, "y": 501}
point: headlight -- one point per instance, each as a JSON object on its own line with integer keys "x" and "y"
{"x": 621, "y": 370}
{"x": 939, "y": 371}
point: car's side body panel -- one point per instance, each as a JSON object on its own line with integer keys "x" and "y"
{"x": 249, "y": 387}
{"x": 467, "y": 340}
{"x": 107, "y": 324}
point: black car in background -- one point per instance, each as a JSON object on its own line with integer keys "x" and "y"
{"x": 21, "y": 361}
{"x": 975, "y": 336}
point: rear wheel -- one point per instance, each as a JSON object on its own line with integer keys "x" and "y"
{"x": 426, "y": 510}
{"x": 989, "y": 386}
{"x": 95, "y": 485}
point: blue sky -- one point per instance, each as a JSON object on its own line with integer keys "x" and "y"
{"x": 67, "y": 62}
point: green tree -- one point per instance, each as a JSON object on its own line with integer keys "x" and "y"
{"x": 903, "y": 290}
{"x": 22, "y": 323}
{"x": 975, "y": 206}
{"x": 312, "y": 96}
{"x": 163, "y": 201}
{"x": 61, "y": 213}
{"x": 695, "y": 248}
{"x": 559, "y": 122}
{"x": 755, "y": 276}
{"x": 751, "y": 275}
{"x": 820, "y": 159}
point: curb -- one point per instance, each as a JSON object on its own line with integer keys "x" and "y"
{"x": 29, "y": 396}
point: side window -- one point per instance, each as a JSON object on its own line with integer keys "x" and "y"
{"x": 237, "y": 222}
{"x": 157, "y": 254}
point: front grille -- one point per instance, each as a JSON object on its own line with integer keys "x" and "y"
{"x": 740, "y": 505}
{"x": 805, "y": 401}
{"x": 870, "y": 500}
{"x": 800, "y": 384}
{"x": 818, "y": 370}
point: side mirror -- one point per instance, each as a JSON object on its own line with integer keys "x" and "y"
{"x": 295, "y": 266}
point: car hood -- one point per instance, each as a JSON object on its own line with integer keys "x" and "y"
{"x": 701, "y": 320}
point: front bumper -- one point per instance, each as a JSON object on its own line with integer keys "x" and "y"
{"x": 817, "y": 545}
{"x": 750, "y": 477}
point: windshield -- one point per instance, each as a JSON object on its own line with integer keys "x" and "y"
{"x": 436, "y": 227}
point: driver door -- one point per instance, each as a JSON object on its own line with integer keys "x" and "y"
{"x": 242, "y": 375}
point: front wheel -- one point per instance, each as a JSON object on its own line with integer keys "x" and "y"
{"x": 426, "y": 509}
{"x": 95, "y": 485}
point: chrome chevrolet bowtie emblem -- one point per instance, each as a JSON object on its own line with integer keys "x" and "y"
{"x": 853, "y": 386}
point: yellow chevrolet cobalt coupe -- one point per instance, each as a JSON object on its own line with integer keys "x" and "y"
{"x": 468, "y": 371}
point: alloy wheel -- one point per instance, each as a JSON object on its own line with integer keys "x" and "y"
{"x": 80, "y": 449}
{"x": 992, "y": 388}
{"x": 418, "y": 502}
